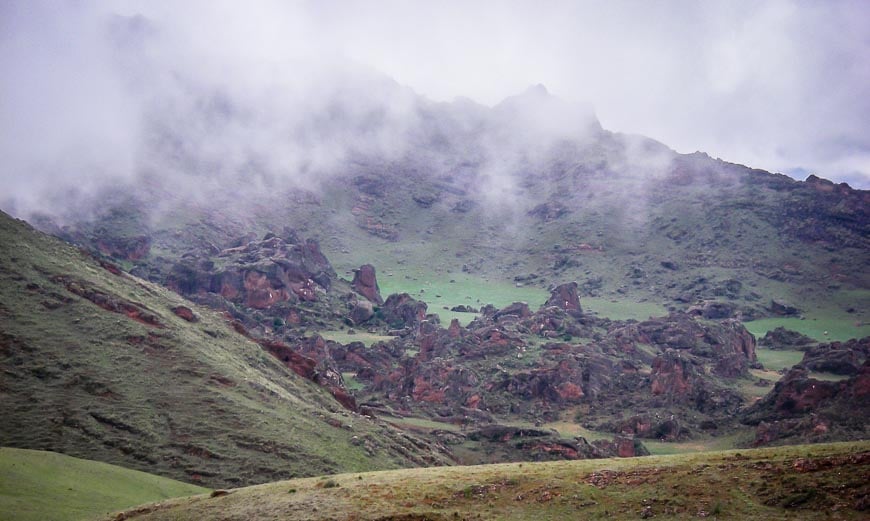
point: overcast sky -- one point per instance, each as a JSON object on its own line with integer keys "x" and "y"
{"x": 779, "y": 85}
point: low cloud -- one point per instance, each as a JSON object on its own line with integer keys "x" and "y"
{"x": 206, "y": 93}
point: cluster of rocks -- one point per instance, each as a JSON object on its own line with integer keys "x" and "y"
{"x": 801, "y": 407}
{"x": 258, "y": 274}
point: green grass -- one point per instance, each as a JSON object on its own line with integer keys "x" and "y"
{"x": 622, "y": 309}
{"x": 39, "y": 486}
{"x": 438, "y": 291}
{"x": 351, "y": 382}
{"x": 825, "y": 321}
{"x": 735, "y": 484}
{"x": 776, "y": 359}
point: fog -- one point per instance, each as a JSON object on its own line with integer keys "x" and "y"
{"x": 206, "y": 93}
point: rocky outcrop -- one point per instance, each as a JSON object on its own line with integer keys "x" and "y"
{"x": 782, "y": 338}
{"x": 842, "y": 358}
{"x": 673, "y": 375}
{"x": 782, "y": 309}
{"x": 321, "y": 372}
{"x": 365, "y": 282}
{"x": 645, "y": 426}
{"x": 565, "y": 296}
{"x": 517, "y": 309}
{"x": 803, "y": 408}
{"x": 401, "y": 310}
{"x": 185, "y": 313}
{"x": 682, "y": 332}
{"x": 110, "y": 302}
{"x": 259, "y": 274}
{"x": 126, "y": 248}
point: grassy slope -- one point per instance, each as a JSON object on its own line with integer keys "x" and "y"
{"x": 746, "y": 484}
{"x": 191, "y": 401}
{"x": 38, "y": 485}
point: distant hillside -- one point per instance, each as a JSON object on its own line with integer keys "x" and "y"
{"x": 102, "y": 365}
{"x": 532, "y": 191}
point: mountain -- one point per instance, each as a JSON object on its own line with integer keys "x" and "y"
{"x": 511, "y": 283}
{"x": 103, "y": 365}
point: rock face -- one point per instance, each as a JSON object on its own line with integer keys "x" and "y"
{"x": 565, "y": 296}
{"x": 365, "y": 282}
{"x": 672, "y": 375}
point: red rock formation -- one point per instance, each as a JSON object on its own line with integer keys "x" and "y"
{"x": 671, "y": 375}
{"x": 402, "y": 310}
{"x": 186, "y": 313}
{"x": 113, "y": 303}
{"x": 565, "y": 296}
{"x": 365, "y": 283}
{"x": 455, "y": 330}
{"x": 259, "y": 291}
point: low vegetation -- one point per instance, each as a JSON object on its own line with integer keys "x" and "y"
{"x": 798, "y": 482}
{"x": 38, "y": 485}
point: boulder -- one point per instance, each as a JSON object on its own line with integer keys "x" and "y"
{"x": 782, "y": 309}
{"x": 713, "y": 310}
{"x": 365, "y": 283}
{"x": 782, "y": 338}
{"x": 518, "y": 309}
{"x": 362, "y": 311}
{"x": 565, "y": 296}
{"x": 186, "y": 313}
{"x": 402, "y": 310}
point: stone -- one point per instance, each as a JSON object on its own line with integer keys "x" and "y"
{"x": 565, "y": 296}
{"x": 362, "y": 311}
{"x": 365, "y": 283}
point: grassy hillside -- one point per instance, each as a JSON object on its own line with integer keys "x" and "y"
{"x": 799, "y": 482}
{"x": 96, "y": 364}
{"x": 46, "y": 486}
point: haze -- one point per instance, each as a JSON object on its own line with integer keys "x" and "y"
{"x": 778, "y": 85}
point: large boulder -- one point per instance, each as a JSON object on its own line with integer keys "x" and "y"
{"x": 361, "y": 311}
{"x": 401, "y": 310}
{"x": 517, "y": 309}
{"x": 365, "y": 282}
{"x": 565, "y": 296}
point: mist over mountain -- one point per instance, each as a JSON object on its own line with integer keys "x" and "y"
{"x": 100, "y": 93}
{"x": 286, "y": 239}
